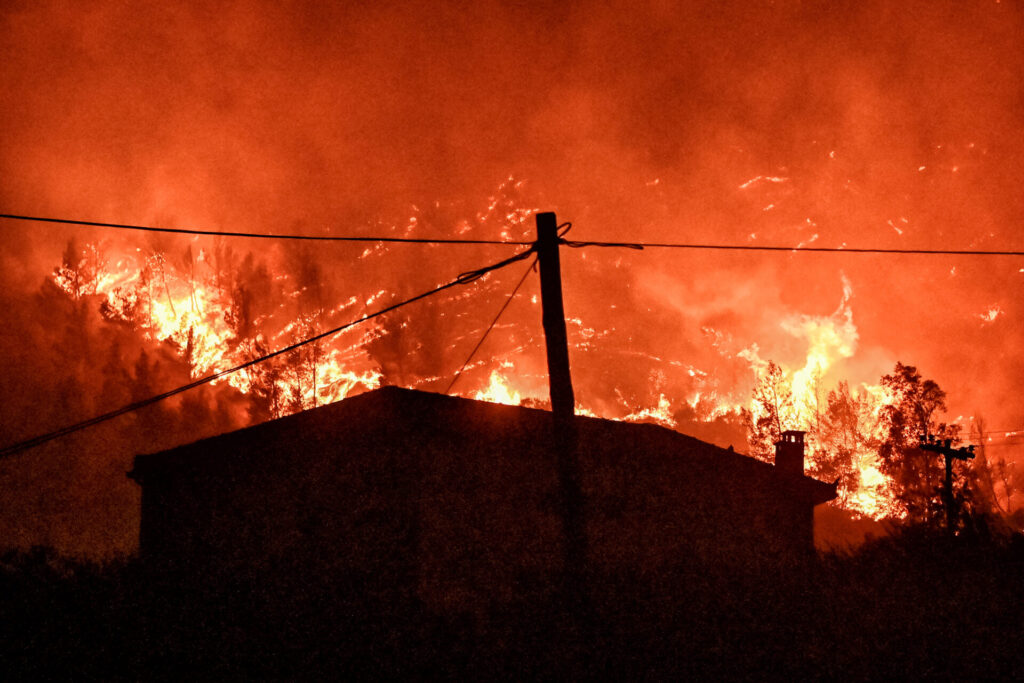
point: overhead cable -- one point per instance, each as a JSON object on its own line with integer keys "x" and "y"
{"x": 462, "y": 279}
{"x": 759, "y": 247}
{"x": 568, "y": 243}
{"x": 258, "y": 235}
{"x": 491, "y": 326}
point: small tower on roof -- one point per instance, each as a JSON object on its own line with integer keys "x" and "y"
{"x": 789, "y": 453}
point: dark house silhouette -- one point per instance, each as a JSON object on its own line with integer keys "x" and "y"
{"x": 459, "y": 499}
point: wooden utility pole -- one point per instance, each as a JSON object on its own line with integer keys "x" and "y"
{"x": 563, "y": 402}
{"x": 945, "y": 448}
{"x": 563, "y": 405}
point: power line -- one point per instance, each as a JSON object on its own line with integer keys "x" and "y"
{"x": 257, "y": 235}
{"x": 568, "y": 243}
{"x": 491, "y": 326}
{"x": 464, "y": 278}
{"x": 756, "y": 247}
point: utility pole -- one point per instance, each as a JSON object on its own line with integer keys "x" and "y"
{"x": 945, "y": 448}
{"x": 563, "y": 405}
{"x": 563, "y": 402}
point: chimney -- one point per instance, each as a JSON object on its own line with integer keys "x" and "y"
{"x": 789, "y": 453}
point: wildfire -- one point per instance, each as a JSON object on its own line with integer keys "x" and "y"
{"x": 191, "y": 307}
{"x": 498, "y": 390}
{"x": 660, "y": 414}
{"x": 191, "y": 310}
{"x": 871, "y": 497}
{"x": 801, "y": 396}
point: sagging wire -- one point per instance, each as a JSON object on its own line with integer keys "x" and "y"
{"x": 491, "y": 326}
{"x": 257, "y": 235}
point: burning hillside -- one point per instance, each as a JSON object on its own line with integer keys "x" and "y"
{"x": 217, "y": 312}
{"x": 878, "y": 124}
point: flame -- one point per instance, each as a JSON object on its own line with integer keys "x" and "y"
{"x": 830, "y": 339}
{"x": 498, "y": 390}
{"x": 871, "y": 497}
{"x": 191, "y": 312}
{"x": 188, "y": 308}
{"x": 660, "y": 414}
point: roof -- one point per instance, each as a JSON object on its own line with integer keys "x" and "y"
{"x": 385, "y": 412}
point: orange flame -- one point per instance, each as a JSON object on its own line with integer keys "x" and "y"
{"x": 498, "y": 390}
{"x": 191, "y": 312}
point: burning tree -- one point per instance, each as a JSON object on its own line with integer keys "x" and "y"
{"x": 997, "y": 479}
{"x": 845, "y": 432}
{"x": 914, "y": 478}
{"x": 81, "y": 269}
{"x": 773, "y": 411}
{"x": 869, "y": 440}
{"x": 917, "y": 479}
{"x": 841, "y": 438}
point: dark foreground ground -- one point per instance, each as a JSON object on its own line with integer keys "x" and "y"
{"x": 910, "y": 607}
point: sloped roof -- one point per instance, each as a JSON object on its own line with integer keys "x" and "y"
{"x": 423, "y": 416}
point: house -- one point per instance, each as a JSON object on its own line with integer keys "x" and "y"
{"x": 461, "y": 498}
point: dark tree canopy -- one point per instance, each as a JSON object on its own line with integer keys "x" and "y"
{"x": 915, "y": 476}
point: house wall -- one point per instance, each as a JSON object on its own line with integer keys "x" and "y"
{"x": 660, "y": 509}
{"x": 300, "y": 511}
{"x": 462, "y": 510}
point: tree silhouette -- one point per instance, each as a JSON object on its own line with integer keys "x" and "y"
{"x": 80, "y": 269}
{"x": 915, "y": 477}
{"x": 773, "y": 412}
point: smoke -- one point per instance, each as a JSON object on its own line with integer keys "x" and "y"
{"x": 879, "y": 123}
